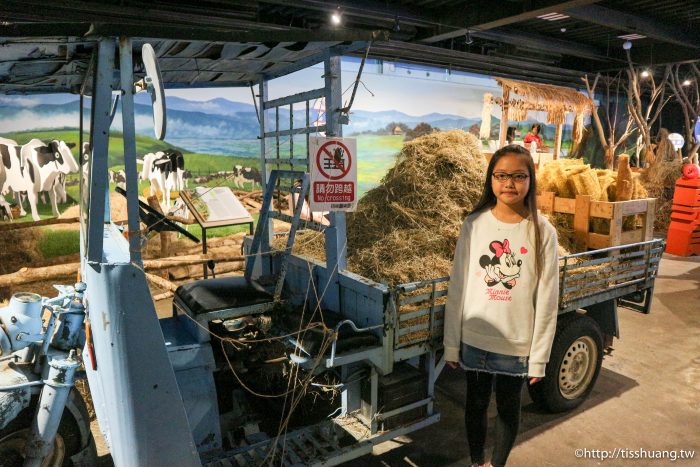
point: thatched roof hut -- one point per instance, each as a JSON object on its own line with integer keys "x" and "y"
{"x": 519, "y": 97}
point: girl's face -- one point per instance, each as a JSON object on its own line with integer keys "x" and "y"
{"x": 510, "y": 180}
{"x": 535, "y": 130}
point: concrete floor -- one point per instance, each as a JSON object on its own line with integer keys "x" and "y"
{"x": 647, "y": 395}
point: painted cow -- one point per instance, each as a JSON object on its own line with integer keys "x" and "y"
{"x": 156, "y": 169}
{"x": 66, "y": 165}
{"x": 175, "y": 171}
{"x": 14, "y": 179}
{"x": 43, "y": 165}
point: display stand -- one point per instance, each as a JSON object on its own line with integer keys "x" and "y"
{"x": 215, "y": 207}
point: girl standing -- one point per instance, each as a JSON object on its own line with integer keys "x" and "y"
{"x": 501, "y": 310}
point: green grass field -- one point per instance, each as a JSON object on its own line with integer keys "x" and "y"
{"x": 375, "y": 157}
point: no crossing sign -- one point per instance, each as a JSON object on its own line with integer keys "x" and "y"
{"x": 333, "y": 174}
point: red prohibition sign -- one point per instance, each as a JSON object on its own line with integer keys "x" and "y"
{"x": 323, "y": 149}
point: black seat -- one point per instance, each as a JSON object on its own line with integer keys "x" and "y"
{"x": 208, "y": 295}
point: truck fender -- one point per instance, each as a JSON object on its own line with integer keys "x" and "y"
{"x": 12, "y": 402}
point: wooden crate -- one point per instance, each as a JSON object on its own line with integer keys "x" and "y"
{"x": 583, "y": 209}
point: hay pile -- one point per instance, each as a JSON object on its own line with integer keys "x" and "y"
{"x": 660, "y": 182}
{"x": 406, "y": 229}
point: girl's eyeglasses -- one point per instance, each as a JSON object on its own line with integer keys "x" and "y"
{"x": 504, "y": 177}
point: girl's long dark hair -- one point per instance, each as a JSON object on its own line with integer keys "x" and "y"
{"x": 488, "y": 198}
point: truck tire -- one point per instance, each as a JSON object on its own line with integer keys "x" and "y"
{"x": 68, "y": 441}
{"x": 574, "y": 365}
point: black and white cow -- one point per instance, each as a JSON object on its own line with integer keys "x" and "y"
{"x": 241, "y": 175}
{"x": 118, "y": 177}
{"x": 252, "y": 174}
{"x": 176, "y": 170}
{"x": 66, "y": 165}
{"x": 12, "y": 176}
{"x": 238, "y": 179}
{"x": 43, "y": 165}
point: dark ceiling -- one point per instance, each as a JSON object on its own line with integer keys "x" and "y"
{"x": 218, "y": 43}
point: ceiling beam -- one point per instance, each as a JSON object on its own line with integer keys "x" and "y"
{"x": 87, "y": 12}
{"x": 629, "y": 23}
{"x": 382, "y": 11}
{"x": 485, "y": 16}
{"x": 544, "y": 43}
{"x": 474, "y": 63}
{"x": 220, "y": 35}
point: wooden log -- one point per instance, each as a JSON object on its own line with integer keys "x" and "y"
{"x": 251, "y": 203}
{"x": 186, "y": 260}
{"x": 189, "y": 221}
{"x": 249, "y": 194}
{"x": 160, "y": 282}
{"x": 162, "y": 296}
{"x": 27, "y": 225}
{"x": 30, "y": 275}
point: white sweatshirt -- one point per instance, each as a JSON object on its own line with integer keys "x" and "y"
{"x": 495, "y": 301}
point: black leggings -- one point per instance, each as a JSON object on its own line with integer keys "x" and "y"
{"x": 508, "y": 389}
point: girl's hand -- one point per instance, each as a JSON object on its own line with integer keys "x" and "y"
{"x": 452, "y": 365}
{"x": 535, "y": 380}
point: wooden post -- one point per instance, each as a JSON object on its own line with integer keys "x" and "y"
{"x": 615, "y": 236}
{"x": 545, "y": 202}
{"x": 504, "y": 118}
{"x": 557, "y": 141}
{"x": 581, "y": 221}
{"x": 649, "y": 219}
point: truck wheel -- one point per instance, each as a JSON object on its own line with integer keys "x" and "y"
{"x": 66, "y": 444}
{"x": 573, "y": 368}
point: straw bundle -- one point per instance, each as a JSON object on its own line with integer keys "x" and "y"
{"x": 567, "y": 178}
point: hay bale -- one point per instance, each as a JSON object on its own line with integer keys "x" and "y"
{"x": 585, "y": 183}
{"x": 563, "y": 189}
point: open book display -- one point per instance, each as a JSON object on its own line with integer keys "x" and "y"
{"x": 215, "y": 207}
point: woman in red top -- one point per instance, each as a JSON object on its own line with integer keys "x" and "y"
{"x": 534, "y": 135}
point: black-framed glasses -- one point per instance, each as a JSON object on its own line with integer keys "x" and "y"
{"x": 516, "y": 177}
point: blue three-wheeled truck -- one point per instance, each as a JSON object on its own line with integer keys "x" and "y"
{"x": 296, "y": 362}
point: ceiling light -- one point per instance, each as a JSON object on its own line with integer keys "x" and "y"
{"x": 645, "y": 74}
{"x": 687, "y": 82}
{"x": 631, "y": 37}
{"x": 563, "y": 29}
{"x": 627, "y": 45}
{"x": 553, "y": 17}
{"x": 336, "y": 18}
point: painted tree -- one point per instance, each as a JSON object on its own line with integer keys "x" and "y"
{"x": 684, "y": 84}
{"x": 612, "y": 93}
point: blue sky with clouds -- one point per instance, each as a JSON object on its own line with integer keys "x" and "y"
{"x": 410, "y": 89}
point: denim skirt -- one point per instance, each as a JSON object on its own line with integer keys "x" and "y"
{"x": 476, "y": 359}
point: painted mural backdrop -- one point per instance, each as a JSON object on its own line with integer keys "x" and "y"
{"x": 393, "y": 102}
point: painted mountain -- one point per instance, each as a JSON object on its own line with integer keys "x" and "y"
{"x": 202, "y": 126}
